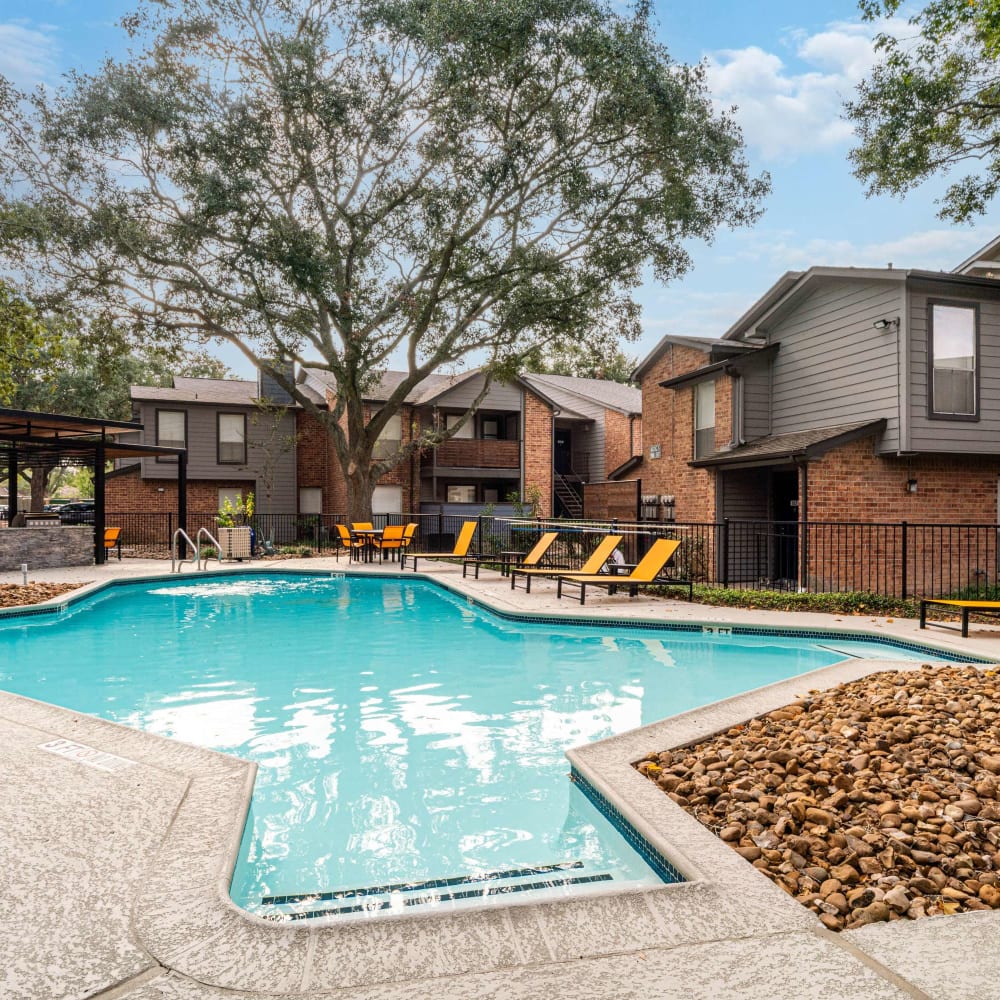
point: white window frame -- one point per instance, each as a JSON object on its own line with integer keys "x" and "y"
{"x": 704, "y": 433}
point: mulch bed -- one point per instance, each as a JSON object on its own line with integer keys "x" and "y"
{"x": 875, "y": 800}
{"x": 13, "y": 595}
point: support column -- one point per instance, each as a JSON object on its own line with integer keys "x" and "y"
{"x": 12, "y": 488}
{"x": 182, "y": 497}
{"x": 100, "y": 553}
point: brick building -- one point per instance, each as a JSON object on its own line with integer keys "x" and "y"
{"x": 538, "y": 435}
{"x": 842, "y": 395}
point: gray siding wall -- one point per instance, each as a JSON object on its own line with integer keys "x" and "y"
{"x": 500, "y": 397}
{"x": 833, "y": 367}
{"x": 262, "y": 438}
{"x": 756, "y": 401}
{"x": 955, "y": 436}
{"x": 588, "y": 441}
{"x": 744, "y": 495}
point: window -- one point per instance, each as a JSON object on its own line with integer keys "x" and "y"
{"x": 310, "y": 500}
{"x": 461, "y": 494}
{"x": 387, "y": 500}
{"x": 954, "y": 348}
{"x": 232, "y": 438}
{"x": 468, "y": 431}
{"x": 171, "y": 430}
{"x": 389, "y": 439}
{"x": 704, "y": 419}
{"x": 491, "y": 429}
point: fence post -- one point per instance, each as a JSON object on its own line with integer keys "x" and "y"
{"x": 170, "y": 530}
{"x": 479, "y": 534}
{"x": 725, "y": 552}
{"x": 903, "y": 560}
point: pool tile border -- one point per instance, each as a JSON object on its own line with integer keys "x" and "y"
{"x": 64, "y": 602}
{"x": 183, "y": 916}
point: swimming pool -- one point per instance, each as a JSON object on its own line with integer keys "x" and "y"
{"x": 410, "y": 744}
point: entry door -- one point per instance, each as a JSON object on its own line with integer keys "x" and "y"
{"x": 785, "y": 506}
{"x": 563, "y": 451}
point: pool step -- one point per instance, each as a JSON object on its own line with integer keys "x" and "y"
{"x": 394, "y": 896}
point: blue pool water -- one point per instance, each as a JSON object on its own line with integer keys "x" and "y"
{"x": 403, "y": 735}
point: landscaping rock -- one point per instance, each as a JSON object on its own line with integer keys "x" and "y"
{"x": 873, "y": 801}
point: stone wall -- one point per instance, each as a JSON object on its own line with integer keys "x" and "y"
{"x": 46, "y": 548}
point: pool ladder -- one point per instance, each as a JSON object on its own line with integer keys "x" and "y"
{"x": 176, "y": 564}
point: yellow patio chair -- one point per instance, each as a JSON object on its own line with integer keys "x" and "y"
{"x": 391, "y": 540}
{"x": 644, "y": 575}
{"x": 533, "y": 558}
{"x": 459, "y": 552}
{"x": 362, "y": 526}
{"x": 597, "y": 559}
{"x": 348, "y": 541}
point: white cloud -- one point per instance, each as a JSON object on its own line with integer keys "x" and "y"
{"x": 28, "y": 55}
{"x": 784, "y": 112}
{"x": 929, "y": 249}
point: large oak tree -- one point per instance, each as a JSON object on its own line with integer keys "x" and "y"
{"x": 358, "y": 183}
{"x": 931, "y": 106}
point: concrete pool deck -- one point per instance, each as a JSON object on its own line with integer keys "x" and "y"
{"x": 115, "y": 880}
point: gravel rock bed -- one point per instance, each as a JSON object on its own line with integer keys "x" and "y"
{"x": 875, "y": 800}
{"x": 13, "y": 595}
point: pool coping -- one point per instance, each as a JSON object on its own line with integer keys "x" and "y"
{"x": 183, "y": 917}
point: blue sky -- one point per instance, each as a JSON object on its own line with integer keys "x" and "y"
{"x": 786, "y": 66}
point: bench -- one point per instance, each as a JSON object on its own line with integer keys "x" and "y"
{"x": 966, "y": 607}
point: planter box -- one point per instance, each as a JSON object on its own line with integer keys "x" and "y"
{"x": 235, "y": 543}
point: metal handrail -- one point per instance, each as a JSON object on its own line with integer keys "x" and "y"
{"x": 213, "y": 540}
{"x": 177, "y": 564}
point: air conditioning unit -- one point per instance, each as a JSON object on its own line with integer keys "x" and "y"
{"x": 667, "y": 500}
{"x": 650, "y": 499}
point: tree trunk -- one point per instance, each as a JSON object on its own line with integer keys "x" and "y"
{"x": 39, "y": 485}
{"x": 360, "y": 486}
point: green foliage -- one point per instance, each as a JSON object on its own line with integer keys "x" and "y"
{"x": 301, "y": 551}
{"x": 848, "y": 603}
{"x": 530, "y": 505}
{"x": 366, "y": 179}
{"x": 933, "y": 104}
{"x": 238, "y": 514}
{"x": 583, "y": 360}
{"x": 25, "y": 344}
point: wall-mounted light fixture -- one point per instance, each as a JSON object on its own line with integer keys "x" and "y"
{"x": 884, "y": 324}
{"x": 160, "y": 489}
{"x": 911, "y": 486}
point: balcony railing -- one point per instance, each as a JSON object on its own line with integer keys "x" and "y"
{"x": 478, "y": 454}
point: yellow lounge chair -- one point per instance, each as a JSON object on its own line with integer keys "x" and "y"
{"x": 533, "y": 558}
{"x": 965, "y": 607}
{"x": 644, "y": 575}
{"x": 459, "y": 552}
{"x": 597, "y": 559}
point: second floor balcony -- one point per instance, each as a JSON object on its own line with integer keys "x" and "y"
{"x": 466, "y": 453}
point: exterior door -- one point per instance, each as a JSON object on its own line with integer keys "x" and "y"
{"x": 785, "y": 505}
{"x": 563, "y": 451}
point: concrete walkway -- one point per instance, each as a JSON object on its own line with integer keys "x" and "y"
{"x": 114, "y": 877}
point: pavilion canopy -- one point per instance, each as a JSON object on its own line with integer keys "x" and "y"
{"x": 27, "y": 436}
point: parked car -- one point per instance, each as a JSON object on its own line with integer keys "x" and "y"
{"x": 77, "y": 512}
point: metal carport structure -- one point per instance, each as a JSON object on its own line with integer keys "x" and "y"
{"x": 26, "y": 435}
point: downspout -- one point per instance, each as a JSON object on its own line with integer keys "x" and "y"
{"x": 520, "y": 445}
{"x": 903, "y": 369}
{"x": 803, "y": 530}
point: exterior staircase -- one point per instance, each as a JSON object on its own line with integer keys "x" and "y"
{"x": 569, "y": 492}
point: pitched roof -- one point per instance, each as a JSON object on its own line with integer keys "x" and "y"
{"x": 797, "y": 444}
{"x": 430, "y": 388}
{"x": 227, "y": 391}
{"x": 699, "y": 343}
{"x": 613, "y": 395}
{"x": 983, "y": 261}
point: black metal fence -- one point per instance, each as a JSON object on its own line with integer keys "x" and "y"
{"x": 898, "y": 559}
